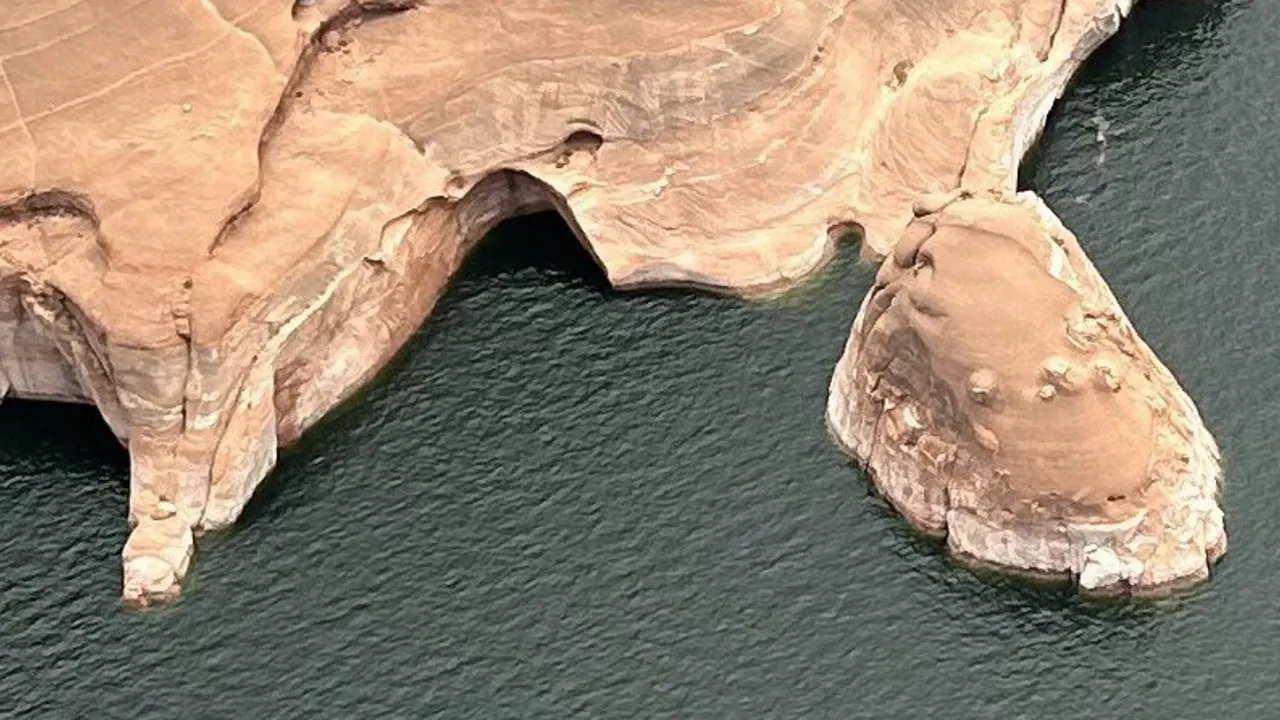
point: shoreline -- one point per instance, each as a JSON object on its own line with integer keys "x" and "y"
{"x": 343, "y": 187}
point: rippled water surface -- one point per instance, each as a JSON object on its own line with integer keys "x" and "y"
{"x": 564, "y": 502}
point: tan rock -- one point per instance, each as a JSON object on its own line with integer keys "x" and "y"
{"x": 156, "y": 558}
{"x": 1108, "y": 373}
{"x": 986, "y": 438}
{"x": 217, "y": 236}
{"x": 1100, "y": 483}
{"x": 982, "y": 385}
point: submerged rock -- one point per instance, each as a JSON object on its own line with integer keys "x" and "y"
{"x": 1113, "y": 483}
{"x": 222, "y": 233}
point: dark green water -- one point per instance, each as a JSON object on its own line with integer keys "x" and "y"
{"x": 564, "y": 502}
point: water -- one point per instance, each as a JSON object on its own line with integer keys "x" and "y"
{"x": 563, "y": 502}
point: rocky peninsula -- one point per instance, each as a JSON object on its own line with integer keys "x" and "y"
{"x": 999, "y": 396}
{"x": 219, "y": 218}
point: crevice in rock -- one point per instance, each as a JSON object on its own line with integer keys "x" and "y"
{"x": 973, "y": 139}
{"x": 354, "y": 12}
{"x": 48, "y": 202}
{"x": 1053, "y": 35}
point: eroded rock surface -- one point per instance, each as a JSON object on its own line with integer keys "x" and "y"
{"x": 997, "y": 394}
{"x": 218, "y": 218}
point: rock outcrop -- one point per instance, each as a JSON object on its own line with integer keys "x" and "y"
{"x": 997, "y": 394}
{"x": 218, "y": 218}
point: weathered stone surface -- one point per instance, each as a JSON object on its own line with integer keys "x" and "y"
{"x": 156, "y": 557}
{"x": 997, "y": 394}
{"x": 222, "y": 232}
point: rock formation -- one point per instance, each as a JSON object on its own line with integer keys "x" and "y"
{"x": 218, "y": 218}
{"x": 998, "y": 394}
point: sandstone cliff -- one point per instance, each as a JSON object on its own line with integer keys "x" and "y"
{"x": 218, "y": 218}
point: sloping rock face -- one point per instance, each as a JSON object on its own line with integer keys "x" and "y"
{"x": 218, "y": 218}
{"x": 997, "y": 394}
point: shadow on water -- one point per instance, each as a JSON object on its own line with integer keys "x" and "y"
{"x": 542, "y": 242}
{"x": 1160, "y": 38}
{"x": 64, "y": 484}
{"x": 71, "y": 437}
{"x": 537, "y": 249}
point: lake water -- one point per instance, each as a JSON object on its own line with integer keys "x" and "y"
{"x": 565, "y": 502}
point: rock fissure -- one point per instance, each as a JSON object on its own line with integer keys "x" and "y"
{"x": 1057, "y": 26}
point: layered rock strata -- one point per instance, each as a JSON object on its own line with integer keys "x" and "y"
{"x": 998, "y": 395}
{"x": 218, "y": 218}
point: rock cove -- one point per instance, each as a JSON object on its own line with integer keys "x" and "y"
{"x": 222, "y": 233}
